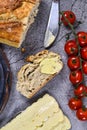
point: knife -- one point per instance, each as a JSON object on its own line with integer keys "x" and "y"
{"x": 53, "y": 24}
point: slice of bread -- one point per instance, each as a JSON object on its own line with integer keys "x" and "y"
{"x": 41, "y": 68}
{"x": 16, "y": 16}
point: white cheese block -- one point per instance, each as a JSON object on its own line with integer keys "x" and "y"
{"x": 45, "y": 114}
{"x": 51, "y": 122}
{"x": 64, "y": 125}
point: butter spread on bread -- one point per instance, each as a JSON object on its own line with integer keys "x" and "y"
{"x": 41, "y": 68}
{"x": 50, "y": 65}
{"x": 44, "y": 114}
{"x": 16, "y": 17}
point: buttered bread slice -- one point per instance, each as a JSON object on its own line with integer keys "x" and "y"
{"x": 45, "y": 114}
{"x": 16, "y": 16}
{"x": 41, "y": 68}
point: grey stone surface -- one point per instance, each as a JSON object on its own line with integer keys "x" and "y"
{"x": 60, "y": 87}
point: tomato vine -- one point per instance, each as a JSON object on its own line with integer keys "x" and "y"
{"x": 77, "y": 52}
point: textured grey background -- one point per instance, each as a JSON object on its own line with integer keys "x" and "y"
{"x": 60, "y": 87}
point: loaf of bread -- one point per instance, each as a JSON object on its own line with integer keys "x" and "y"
{"x": 16, "y": 16}
{"x": 41, "y": 68}
{"x": 45, "y": 114}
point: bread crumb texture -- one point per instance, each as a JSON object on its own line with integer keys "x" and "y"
{"x": 41, "y": 68}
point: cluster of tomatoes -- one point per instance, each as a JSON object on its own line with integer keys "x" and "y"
{"x": 77, "y": 62}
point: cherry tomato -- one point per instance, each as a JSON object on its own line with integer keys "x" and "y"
{"x": 76, "y": 77}
{"x": 74, "y": 62}
{"x": 84, "y": 67}
{"x": 82, "y": 38}
{"x": 70, "y": 16}
{"x": 83, "y": 52}
{"x": 71, "y": 47}
{"x": 80, "y": 91}
{"x": 82, "y": 114}
{"x": 75, "y": 104}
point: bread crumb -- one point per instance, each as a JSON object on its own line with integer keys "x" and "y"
{"x": 23, "y": 50}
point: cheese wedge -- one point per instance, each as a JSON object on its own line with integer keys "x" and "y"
{"x": 64, "y": 125}
{"x": 45, "y": 114}
{"x": 52, "y": 121}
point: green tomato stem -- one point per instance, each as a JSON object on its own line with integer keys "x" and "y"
{"x": 76, "y": 37}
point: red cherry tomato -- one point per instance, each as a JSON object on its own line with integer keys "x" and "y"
{"x": 82, "y": 38}
{"x": 71, "y": 47}
{"x": 80, "y": 91}
{"x": 70, "y": 16}
{"x": 75, "y": 104}
{"x": 74, "y": 62}
{"x": 84, "y": 67}
{"x": 76, "y": 77}
{"x": 83, "y": 52}
{"x": 82, "y": 114}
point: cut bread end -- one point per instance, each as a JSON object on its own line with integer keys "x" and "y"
{"x": 30, "y": 77}
{"x": 10, "y": 34}
{"x": 28, "y": 21}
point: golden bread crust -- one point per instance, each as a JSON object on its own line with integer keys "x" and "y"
{"x": 14, "y": 17}
{"x": 11, "y": 31}
{"x": 9, "y": 5}
{"x": 23, "y": 11}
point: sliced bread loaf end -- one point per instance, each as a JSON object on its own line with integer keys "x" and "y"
{"x": 41, "y": 68}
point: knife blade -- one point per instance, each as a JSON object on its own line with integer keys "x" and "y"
{"x": 52, "y": 26}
